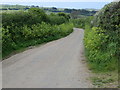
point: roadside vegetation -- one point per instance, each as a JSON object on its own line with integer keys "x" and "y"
{"x": 24, "y": 26}
{"x": 102, "y": 39}
{"x": 24, "y": 29}
{"x": 102, "y": 46}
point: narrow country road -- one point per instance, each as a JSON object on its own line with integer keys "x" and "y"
{"x": 57, "y": 64}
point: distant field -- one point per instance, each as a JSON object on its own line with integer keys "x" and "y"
{"x": 9, "y": 11}
{"x": 75, "y": 13}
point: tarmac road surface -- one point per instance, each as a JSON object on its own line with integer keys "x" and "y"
{"x": 57, "y": 64}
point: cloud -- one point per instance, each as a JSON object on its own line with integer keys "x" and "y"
{"x": 56, "y": 1}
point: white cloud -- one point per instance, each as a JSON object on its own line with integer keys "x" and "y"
{"x": 56, "y": 1}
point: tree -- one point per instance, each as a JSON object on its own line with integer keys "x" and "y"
{"x": 54, "y": 8}
{"x": 67, "y": 16}
{"x": 39, "y": 13}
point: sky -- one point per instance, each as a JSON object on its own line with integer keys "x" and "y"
{"x": 76, "y": 4}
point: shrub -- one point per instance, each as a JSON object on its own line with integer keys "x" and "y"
{"x": 21, "y": 18}
{"x": 108, "y": 17}
{"x": 25, "y": 36}
{"x": 81, "y": 22}
{"x": 57, "y": 19}
{"x": 101, "y": 54}
{"x": 102, "y": 41}
{"x": 22, "y": 29}
{"x": 67, "y": 16}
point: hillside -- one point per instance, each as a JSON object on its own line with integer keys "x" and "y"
{"x": 75, "y": 13}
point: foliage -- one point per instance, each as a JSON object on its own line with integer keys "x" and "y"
{"x": 33, "y": 16}
{"x": 81, "y": 22}
{"x": 100, "y": 53}
{"x": 102, "y": 41}
{"x": 78, "y": 23}
{"x": 67, "y": 16}
{"x": 57, "y": 19}
{"x": 108, "y": 17}
{"x": 39, "y": 13}
{"x": 13, "y": 7}
{"x": 36, "y": 34}
{"x": 24, "y": 29}
{"x": 81, "y": 12}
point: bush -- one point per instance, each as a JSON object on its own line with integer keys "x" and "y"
{"x": 108, "y": 17}
{"x": 55, "y": 19}
{"x": 102, "y": 41}
{"x": 36, "y": 34}
{"x": 67, "y": 16}
{"x": 81, "y": 22}
{"x": 22, "y": 29}
{"x": 21, "y": 18}
{"x": 101, "y": 54}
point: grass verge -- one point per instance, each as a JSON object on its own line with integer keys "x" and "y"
{"x": 105, "y": 80}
